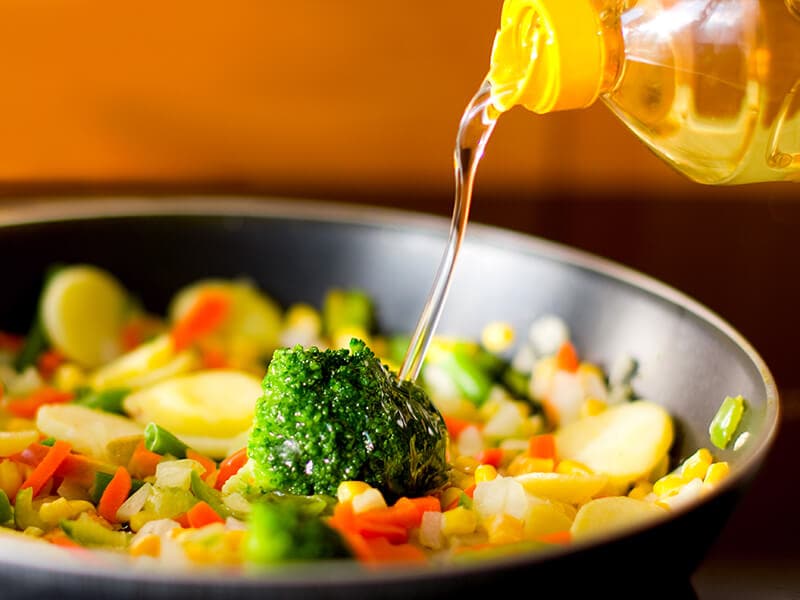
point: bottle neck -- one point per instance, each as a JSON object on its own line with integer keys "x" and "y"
{"x": 551, "y": 55}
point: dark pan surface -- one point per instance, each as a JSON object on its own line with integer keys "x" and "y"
{"x": 690, "y": 359}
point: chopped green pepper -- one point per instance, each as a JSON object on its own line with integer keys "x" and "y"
{"x": 6, "y": 513}
{"x": 726, "y": 421}
{"x": 159, "y": 440}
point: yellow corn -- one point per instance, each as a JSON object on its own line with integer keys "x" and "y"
{"x": 52, "y": 513}
{"x": 449, "y": 496}
{"x": 505, "y": 529}
{"x": 640, "y": 490}
{"x": 696, "y": 465}
{"x": 572, "y": 467}
{"x": 12, "y": 442}
{"x": 10, "y": 478}
{"x": 347, "y": 490}
{"x": 20, "y": 424}
{"x": 69, "y": 377}
{"x": 459, "y": 521}
{"x": 716, "y": 472}
{"x": 668, "y": 484}
{"x": 370, "y": 499}
{"x": 497, "y": 336}
{"x": 303, "y": 316}
{"x": 592, "y": 406}
{"x": 485, "y": 473}
{"x": 147, "y": 545}
{"x": 528, "y": 464}
{"x": 34, "y": 531}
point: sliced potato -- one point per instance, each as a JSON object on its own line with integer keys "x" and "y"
{"x": 570, "y": 488}
{"x": 82, "y": 310}
{"x": 604, "y": 516}
{"x": 543, "y": 518}
{"x": 207, "y": 406}
{"x": 625, "y": 442}
{"x": 254, "y": 320}
{"x": 89, "y": 431}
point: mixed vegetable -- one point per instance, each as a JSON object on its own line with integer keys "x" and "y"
{"x": 232, "y": 432}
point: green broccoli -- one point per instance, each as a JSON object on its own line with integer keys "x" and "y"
{"x": 337, "y": 415}
{"x": 290, "y": 528}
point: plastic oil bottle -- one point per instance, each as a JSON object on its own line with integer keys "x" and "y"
{"x": 711, "y": 86}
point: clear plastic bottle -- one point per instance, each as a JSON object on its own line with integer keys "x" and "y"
{"x": 711, "y": 86}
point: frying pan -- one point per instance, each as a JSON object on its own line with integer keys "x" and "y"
{"x": 689, "y": 357}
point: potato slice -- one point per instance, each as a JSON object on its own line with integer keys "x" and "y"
{"x": 605, "y": 516}
{"x": 206, "y": 406}
{"x": 89, "y": 431}
{"x": 568, "y": 488}
{"x": 625, "y": 442}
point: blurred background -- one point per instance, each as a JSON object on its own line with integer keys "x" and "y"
{"x": 359, "y": 102}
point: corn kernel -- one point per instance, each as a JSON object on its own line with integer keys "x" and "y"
{"x": 505, "y": 529}
{"x": 497, "y": 336}
{"x": 147, "y": 545}
{"x": 592, "y": 406}
{"x": 370, "y": 499}
{"x": 485, "y": 473}
{"x": 696, "y": 465}
{"x": 528, "y": 464}
{"x": 641, "y": 490}
{"x": 716, "y": 472}
{"x": 572, "y": 467}
{"x": 669, "y": 484}
{"x": 347, "y": 490}
{"x": 459, "y": 521}
{"x": 10, "y": 478}
{"x": 68, "y": 377}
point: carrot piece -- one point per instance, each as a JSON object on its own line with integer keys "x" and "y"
{"x": 143, "y": 462}
{"x": 557, "y": 537}
{"x": 230, "y": 466}
{"x": 455, "y": 425}
{"x": 114, "y": 495}
{"x": 80, "y": 469}
{"x": 48, "y": 362}
{"x": 182, "y": 520}
{"x": 470, "y": 490}
{"x": 201, "y": 514}
{"x": 490, "y": 456}
{"x": 209, "y": 466}
{"x": 567, "y": 357}
{"x": 209, "y": 312}
{"x": 376, "y": 525}
{"x": 213, "y": 358}
{"x": 32, "y": 455}
{"x": 542, "y": 446}
{"x": 11, "y": 342}
{"x": 42, "y": 473}
{"x": 427, "y": 504}
{"x": 27, "y": 407}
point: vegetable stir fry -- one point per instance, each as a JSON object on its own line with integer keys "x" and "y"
{"x": 235, "y": 433}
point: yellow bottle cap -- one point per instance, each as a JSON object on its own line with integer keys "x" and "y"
{"x": 548, "y": 55}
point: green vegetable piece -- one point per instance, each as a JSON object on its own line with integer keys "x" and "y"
{"x": 88, "y": 532}
{"x": 25, "y": 515}
{"x": 283, "y": 532}
{"x": 36, "y": 340}
{"x": 6, "y": 513}
{"x": 167, "y": 503}
{"x": 337, "y": 415}
{"x": 209, "y": 495}
{"x": 347, "y": 309}
{"x": 159, "y": 440}
{"x": 109, "y": 400}
{"x": 101, "y": 481}
{"x": 466, "y": 372}
{"x": 726, "y": 421}
{"x": 48, "y": 441}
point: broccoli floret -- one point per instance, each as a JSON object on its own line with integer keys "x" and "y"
{"x": 290, "y": 528}
{"x": 337, "y": 415}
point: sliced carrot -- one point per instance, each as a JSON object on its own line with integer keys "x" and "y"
{"x": 557, "y": 537}
{"x": 143, "y": 462}
{"x": 230, "y": 466}
{"x": 42, "y": 473}
{"x": 182, "y": 520}
{"x": 114, "y": 495}
{"x": 27, "y": 407}
{"x": 213, "y": 358}
{"x": 470, "y": 490}
{"x": 48, "y": 362}
{"x": 542, "y": 446}
{"x": 490, "y": 456}
{"x": 567, "y": 357}
{"x": 32, "y": 455}
{"x": 427, "y": 504}
{"x": 201, "y": 514}
{"x": 345, "y": 520}
{"x": 208, "y": 313}
{"x": 209, "y": 466}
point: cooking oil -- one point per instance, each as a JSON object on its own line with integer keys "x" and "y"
{"x": 711, "y": 86}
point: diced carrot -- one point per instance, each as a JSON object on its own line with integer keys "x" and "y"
{"x": 567, "y": 357}
{"x": 58, "y": 538}
{"x": 201, "y": 514}
{"x": 114, "y": 495}
{"x": 490, "y": 456}
{"x": 345, "y": 520}
{"x": 80, "y": 468}
{"x": 132, "y": 334}
{"x": 48, "y": 362}
{"x": 470, "y": 490}
{"x": 32, "y": 455}
{"x": 143, "y": 462}
{"x": 209, "y": 466}
{"x": 557, "y": 537}
{"x": 27, "y": 407}
{"x": 213, "y": 358}
{"x": 230, "y": 466}
{"x": 182, "y": 520}
{"x": 207, "y": 314}
{"x": 455, "y": 425}
{"x": 42, "y": 473}
{"x": 542, "y": 446}
{"x": 427, "y": 504}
